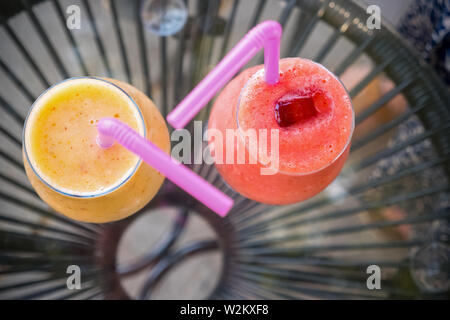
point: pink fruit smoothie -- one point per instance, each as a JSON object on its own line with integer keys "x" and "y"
{"x": 313, "y": 114}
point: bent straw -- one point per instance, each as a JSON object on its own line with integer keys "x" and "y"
{"x": 266, "y": 34}
{"x": 112, "y": 129}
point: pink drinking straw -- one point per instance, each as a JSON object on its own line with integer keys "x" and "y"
{"x": 110, "y": 129}
{"x": 266, "y": 34}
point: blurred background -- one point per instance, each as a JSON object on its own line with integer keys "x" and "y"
{"x": 390, "y": 206}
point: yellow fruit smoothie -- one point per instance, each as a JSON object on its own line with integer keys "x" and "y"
{"x": 70, "y": 171}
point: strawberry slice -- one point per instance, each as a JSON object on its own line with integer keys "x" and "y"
{"x": 294, "y": 110}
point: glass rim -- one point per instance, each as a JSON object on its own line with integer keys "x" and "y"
{"x": 87, "y": 195}
{"x": 349, "y": 139}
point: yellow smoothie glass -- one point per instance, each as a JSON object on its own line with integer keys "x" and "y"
{"x": 67, "y": 168}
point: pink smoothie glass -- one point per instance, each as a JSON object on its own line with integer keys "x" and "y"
{"x": 312, "y": 113}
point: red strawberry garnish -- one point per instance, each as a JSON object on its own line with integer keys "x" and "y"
{"x": 294, "y": 110}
